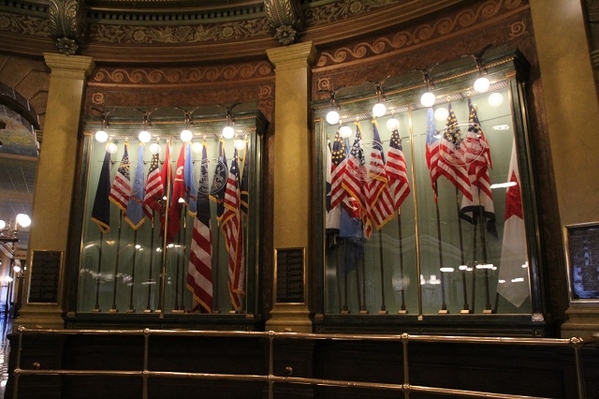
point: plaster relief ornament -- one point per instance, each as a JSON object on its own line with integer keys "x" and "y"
{"x": 285, "y": 18}
{"x": 67, "y": 24}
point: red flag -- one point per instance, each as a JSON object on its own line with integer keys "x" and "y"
{"x": 121, "y": 185}
{"x": 177, "y": 198}
{"x": 199, "y": 273}
{"x": 513, "y": 282}
{"x": 397, "y": 171}
{"x": 232, "y": 230}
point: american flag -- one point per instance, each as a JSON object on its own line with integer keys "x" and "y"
{"x": 379, "y": 196}
{"x": 432, "y": 151}
{"x": 338, "y": 163}
{"x": 121, "y": 185}
{"x": 153, "y": 198}
{"x": 199, "y": 272}
{"x": 397, "y": 171}
{"x": 478, "y": 157}
{"x": 101, "y": 209}
{"x": 355, "y": 182}
{"x": 231, "y": 227}
{"x": 178, "y": 195}
{"x": 452, "y": 156}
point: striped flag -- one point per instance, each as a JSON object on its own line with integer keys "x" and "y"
{"x": 355, "y": 182}
{"x": 154, "y": 191}
{"x": 101, "y": 209}
{"x": 513, "y": 271}
{"x": 397, "y": 171}
{"x": 452, "y": 156}
{"x": 190, "y": 188}
{"x": 199, "y": 273}
{"x": 121, "y": 185}
{"x": 177, "y": 198}
{"x": 337, "y": 170}
{"x": 135, "y": 215}
{"x": 478, "y": 158}
{"x": 380, "y": 202}
{"x": 432, "y": 151}
{"x": 231, "y": 227}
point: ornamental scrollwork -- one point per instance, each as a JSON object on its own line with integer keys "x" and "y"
{"x": 67, "y": 24}
{"x": 285, "y": 18}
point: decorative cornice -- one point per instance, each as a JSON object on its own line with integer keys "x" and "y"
{"x": 420, "y": 34}
{"x": 286, "y": 19}
{"x": 67, "y": 24}
{"x": 24, "y": 24}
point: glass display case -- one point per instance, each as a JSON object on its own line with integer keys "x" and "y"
{"x": 170, "y": 213}
{"x": 428, "y": 210}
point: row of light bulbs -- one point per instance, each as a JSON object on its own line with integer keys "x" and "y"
{"x": 186, "y": 136}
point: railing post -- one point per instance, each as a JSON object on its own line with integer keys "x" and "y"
{"x": 576, "y": 344}
{"x": 146, "y": 358}
{"x": 406, "y": 368}
{"x": 271, "y": 337}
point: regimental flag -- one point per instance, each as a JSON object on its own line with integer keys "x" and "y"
{"x": 190, "y": 189}
{"x": 452, "y": 155}
{"x": 245, "y": 177}
{"x": 355, "y": 182}
{"x": 154, "y": 191}
{"x": 432, "y": 151}
{"x": 219, "y": 181}
{"x": 478, "y": 158}
{"x": 199, "y": 273}
{"x": 121, "y": 185}
{"x": 231, "y": 227}
{"x": 513, "y": 282}
{"x": 177, "y": 198}
{"x": 397, "y": 172}
{"x": 135, "y": 215}
{"x": 101, "y": 209}
{"x": 380, "y": 202}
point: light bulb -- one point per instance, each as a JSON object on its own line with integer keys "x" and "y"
{"x": 378, "y": 110}
{"x": 239, "y": 144}
{"x": 427, "y": 99}
{"x": 441, "y": 114}
{"x": 23, "y": 220}
{"x": 154, "y": 148}
{"x": 144, "y": 136}
{"x": 228, "y": 132}
{"x": 101, "y": 136}
{"x": 345, "y": 131}
{"x": 332, "y": 117}
{"x": 495, "y": 99}
{"x": 111, "y": 148}
{"x": 392, "y": 124}
{"x": 481, "y": 84}
{"x": 197, "y": 147}
{"x": 2, "y": 224}
{"x": 186, "y": 135}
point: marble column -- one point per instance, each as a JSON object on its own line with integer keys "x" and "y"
{"x": 292, "y": 177}
{"x": 55, "y": 179}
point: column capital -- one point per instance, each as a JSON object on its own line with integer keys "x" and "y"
{"x": 293, "y": 56}
{"x": 69, "y": 66}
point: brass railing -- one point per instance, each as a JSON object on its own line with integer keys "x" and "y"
{"x": 406, "y": 388}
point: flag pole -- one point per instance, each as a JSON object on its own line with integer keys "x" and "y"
{"x": 131, "y": 310}
{"x": 474, "y": 252}
{"x": 97, "y": 305}
{"x": 466, "y": 308}
{"x": 178, "y": 272}
{"x": 184, "y": 257}
{"x": 215, "y": 259}
{"x": 483, "y": 240}
{"x": 337, "y": 257}
{"x": 383, "y": 309}
{"x": 362, "y": 281}
{"x": 345, "y": 309}
{"x": 116, "y": 266}
{"x": 149, "y": 305}
{"x": 443, "y": 304}
{"x": 402, "y": 309}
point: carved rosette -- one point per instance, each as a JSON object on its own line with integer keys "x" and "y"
{"x": 285, "y": 18}
{"x": 67, "y": 24}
